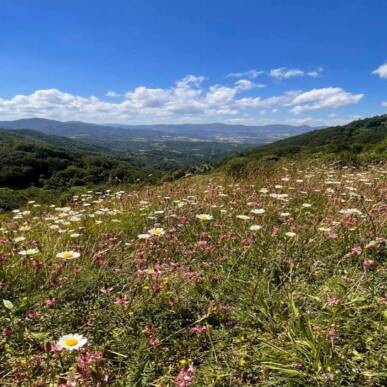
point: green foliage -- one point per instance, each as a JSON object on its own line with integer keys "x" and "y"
{"x": 236, "y": 167}
{"x": 9, "y": 199}
{"x": 26, "y": 161}
{"x": 33, "y": 159}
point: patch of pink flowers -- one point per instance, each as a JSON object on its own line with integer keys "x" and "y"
{"x": 185, "y": 376}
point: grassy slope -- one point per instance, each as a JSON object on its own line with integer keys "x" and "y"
{"x": 366, "y": 133}
{"x": 232, "y": 306}
{"x": 358, "y": 141}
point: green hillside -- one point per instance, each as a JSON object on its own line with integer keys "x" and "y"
{"x": 31, "y": 158}
{"x": 358, "y": 141}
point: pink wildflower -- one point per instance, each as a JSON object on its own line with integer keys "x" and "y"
{"x": 332, "y": 300}
{"x": 185, "y": 376}
{"x": 199, "y": 329}
{"x": 368, "y": 263}
{"x": 154, "y": 341}
{"x": 7, "y": 332}
{"x": 120, "y": 301}
{"x": 356, "y": 250}
{"x": 49, "y": 302}
{"x": 331, "y": 235}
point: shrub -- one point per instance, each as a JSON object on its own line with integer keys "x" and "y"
{"x": 236, "y": 167}
{"x": 11, "y": 199}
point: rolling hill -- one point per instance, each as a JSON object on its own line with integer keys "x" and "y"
{"x": 166, "y": 146}
{"x": 81, "y": 130}
{"x": 151, "y": 147}
{"x": 361, "y": 139}
{"x": 31, "y": 158}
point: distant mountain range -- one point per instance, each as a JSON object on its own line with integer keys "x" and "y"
{"x": 77, "y": 129}
{"x": 217, "y": 132}
{"x": 227, "y": 132}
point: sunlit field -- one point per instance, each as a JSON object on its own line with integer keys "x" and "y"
{"x": 275, "y": 280}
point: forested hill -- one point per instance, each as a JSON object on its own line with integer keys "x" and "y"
{"x": 361, "y": 139}
{"x": 357, "y": 136}
{"x": 60, "y": 141}
{"x": 30, "y": 158}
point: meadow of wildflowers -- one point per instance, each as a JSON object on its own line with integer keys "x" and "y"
{"x": 275, "y": 280}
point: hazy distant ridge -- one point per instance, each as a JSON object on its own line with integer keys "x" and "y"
{"x": 214, "y": 131}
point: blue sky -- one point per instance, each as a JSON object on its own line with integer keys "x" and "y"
{"x": 245, "y": 61}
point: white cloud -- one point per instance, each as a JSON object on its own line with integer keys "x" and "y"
{"x": 187, "y": 100}
{"x": 277, "y": 73}
{"x": 329, "y": 97}
{"x": 384, "y": 104}
{"x": 190, "y": 79}
{"x": 245, "y": 84}
{"x": 112, "y": 94}
{"x": 286, "y": 73}
{"x": 252, "y": 74}
{"x": 381, "y": 71}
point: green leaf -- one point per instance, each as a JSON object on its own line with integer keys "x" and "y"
{"x": 296, "y": 312}
{"x": 8, "y": 305}
{"x": 39, "y": 335}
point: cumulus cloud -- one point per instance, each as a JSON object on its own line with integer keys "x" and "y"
{"x": 381, "y": 71}
{"x": 188, "y": 99}
{"x": 384, "y": 104}
{"x": 112, "y": 94}
{"x": 286, "y": 73}
{"x": 245, "y": 84}
{"x": 329, "y": 97}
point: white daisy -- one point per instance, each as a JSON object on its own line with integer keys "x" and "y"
{"x": 29, "y": 252}
{"x": 204, "y": 217}
{"x": 68, "y": 255}
{"x": 351, "y": 211}
{"x": 144, "y": 236}
{"x": 156, "y": 231}
{"x": 243, "y": 217}
{"x": 258, "y": 211}
{"x": 72, "y": 342}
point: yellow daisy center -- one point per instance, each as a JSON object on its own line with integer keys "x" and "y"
{"x": 67, "y": 255}
{"x": 71, "y": 342}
